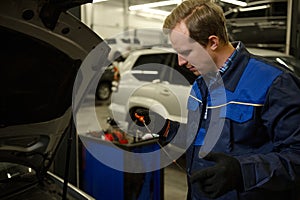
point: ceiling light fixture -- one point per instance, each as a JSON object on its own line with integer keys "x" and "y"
{"x": 154, "y": 5}
{"x": 235, "y": 2}
{"x": 150, "y": 16}
{"x": 254, "y": 8}
{"x": 97, "y": 1}
{"x": 156, "y": 11}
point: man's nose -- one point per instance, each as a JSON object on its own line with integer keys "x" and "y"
{"x": 181, "y": 61}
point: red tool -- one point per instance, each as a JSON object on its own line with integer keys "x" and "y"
{"x": 141, "y": 119}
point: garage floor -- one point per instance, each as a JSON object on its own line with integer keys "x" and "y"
{"x": 175, "y": 183}
{"x": 175, "y": 186}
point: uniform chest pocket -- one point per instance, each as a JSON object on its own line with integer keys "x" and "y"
{"x": 237, "y": 112}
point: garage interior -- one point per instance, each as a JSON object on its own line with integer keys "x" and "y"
{"x": 129, "y": 20}
{"x": 125, "y": 23}
{"x": 126, "y": 19}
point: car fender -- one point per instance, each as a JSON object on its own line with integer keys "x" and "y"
{"x": 153, "y": 105}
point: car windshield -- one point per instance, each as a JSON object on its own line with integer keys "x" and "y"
{"x": 153, "y": 67}
{"x": 126, "y": 40}
{"x": 111, "y": 41}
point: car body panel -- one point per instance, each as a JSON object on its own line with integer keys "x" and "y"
{"x": 66, "y": 36}
{"x": 43, "y": 47}
{"x": 50, "y": 190}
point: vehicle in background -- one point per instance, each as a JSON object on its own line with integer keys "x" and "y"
{"x": 283, "y": 59}
{"x": 109, "y": 76}
{"x": 259, "y": 24}
{"x": 121, "y": 46}
{"x": 152, "y": 80}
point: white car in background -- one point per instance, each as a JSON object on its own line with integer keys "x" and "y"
{"x": 151, "y": 79}
{"x": 121, "y": 46}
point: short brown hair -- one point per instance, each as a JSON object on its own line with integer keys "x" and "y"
{"x": 203, "y": 18}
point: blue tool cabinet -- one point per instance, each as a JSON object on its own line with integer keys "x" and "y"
{"x": 105, "y": 183}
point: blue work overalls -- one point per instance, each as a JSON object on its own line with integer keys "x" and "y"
{"x": 260, "y": 126}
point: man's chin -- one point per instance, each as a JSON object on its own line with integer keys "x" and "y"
{"x": 196, "y": 72}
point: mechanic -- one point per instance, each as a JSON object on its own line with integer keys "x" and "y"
{"x": 256, "y": 155}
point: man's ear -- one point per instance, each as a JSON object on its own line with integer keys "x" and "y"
{"x": 213, "y": 42}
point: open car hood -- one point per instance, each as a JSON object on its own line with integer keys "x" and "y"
{"x": 42, "y": 49}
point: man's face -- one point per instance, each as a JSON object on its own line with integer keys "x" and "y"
{"x": 190, "y": 52}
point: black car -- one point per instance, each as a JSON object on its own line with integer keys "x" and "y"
{"x": 42, "y": 48}
{"x": 109, "y": 76}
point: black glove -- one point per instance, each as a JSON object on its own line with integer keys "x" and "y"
{"x": 141, "y": 116}
{"x": 219, "y": 179}
{"x": 159, "y": 124}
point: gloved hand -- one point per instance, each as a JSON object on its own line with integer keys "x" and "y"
{"x": 158, "y": 126}
{"x": 219, "y": 179}
{"x": 141, "y": 115}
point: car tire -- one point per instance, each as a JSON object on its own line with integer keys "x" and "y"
{"x": 103, "y": 91}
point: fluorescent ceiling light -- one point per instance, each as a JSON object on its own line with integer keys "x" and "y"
{"x": 235, "y": 2}
{"x": 156, "y": 11}
{"x": 154, "y": 5}
{"x": 149, "y": 15}
{"x": 254, "y": 8}
{"x": 97, "y": 1}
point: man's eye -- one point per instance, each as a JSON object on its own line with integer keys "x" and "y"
{"x": 185, "y": 53}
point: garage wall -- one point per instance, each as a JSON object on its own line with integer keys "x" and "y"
{"x": 111, "y": 20}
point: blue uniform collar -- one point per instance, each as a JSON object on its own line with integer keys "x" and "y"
{"x": 229, "y": 60}
{"x": 238, "y": 63}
